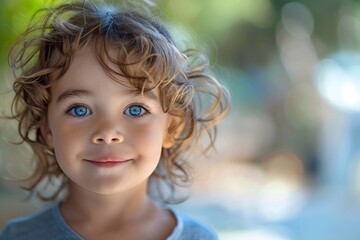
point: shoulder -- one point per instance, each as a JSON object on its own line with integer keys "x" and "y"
{"x": 20, "y": 228}
{"x": 40, "y": 225}
{"x": 190, "y": 228}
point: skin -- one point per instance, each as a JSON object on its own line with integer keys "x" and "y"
{"x": 91, "y": 120}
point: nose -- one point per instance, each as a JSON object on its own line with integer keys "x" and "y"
{"x": 108, "y": 139}
{"x": 107, "y": 133}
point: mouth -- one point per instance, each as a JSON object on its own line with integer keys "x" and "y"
{"x": 107, "y": 162}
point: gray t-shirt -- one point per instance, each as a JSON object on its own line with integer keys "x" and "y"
{"x": 49, "y": 224}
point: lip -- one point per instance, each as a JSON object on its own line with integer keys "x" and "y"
{"x": 107, "y": 162}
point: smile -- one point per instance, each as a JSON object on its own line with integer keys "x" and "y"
{"x": 107, "y": 162}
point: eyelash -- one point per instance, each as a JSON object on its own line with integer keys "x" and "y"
{"x": 138, "y": 105}
{"x": 75, "y": 105}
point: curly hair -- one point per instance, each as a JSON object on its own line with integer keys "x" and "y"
{"x": 43, "y": 53}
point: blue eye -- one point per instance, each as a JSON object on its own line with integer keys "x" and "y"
{"x": 135, "y": 111}
{"x": 79, "y": 111}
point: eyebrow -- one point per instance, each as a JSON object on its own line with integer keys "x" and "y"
{"x": 81, "y": 92}
{"x": 72, "y": 93}
{"x": 148, "y": 94}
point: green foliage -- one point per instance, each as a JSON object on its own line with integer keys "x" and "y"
{"x": 243, "y": 31}
{"x": 14, "y": 17}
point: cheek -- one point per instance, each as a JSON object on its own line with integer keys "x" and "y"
{"x": 66, "y": 139}
{"x": 149, "y": 136}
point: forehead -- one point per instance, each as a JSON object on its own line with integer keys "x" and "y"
{"x": 87, "y": 73}
{"x": 87, "y": 63}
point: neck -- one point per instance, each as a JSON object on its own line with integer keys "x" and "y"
{"x": 125, "y": 207}
{"x": 130, "y": 215}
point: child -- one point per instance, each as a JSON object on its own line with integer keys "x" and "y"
{"x": 109, "y": 105}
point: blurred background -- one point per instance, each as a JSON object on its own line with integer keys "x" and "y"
{"x": 287, "y": 165}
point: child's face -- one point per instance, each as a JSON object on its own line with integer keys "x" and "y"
{"x": 106, "y": 137}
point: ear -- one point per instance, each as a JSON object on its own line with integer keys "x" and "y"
{"x": 173, "y": 131}
{"x": 46, "y": 133}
